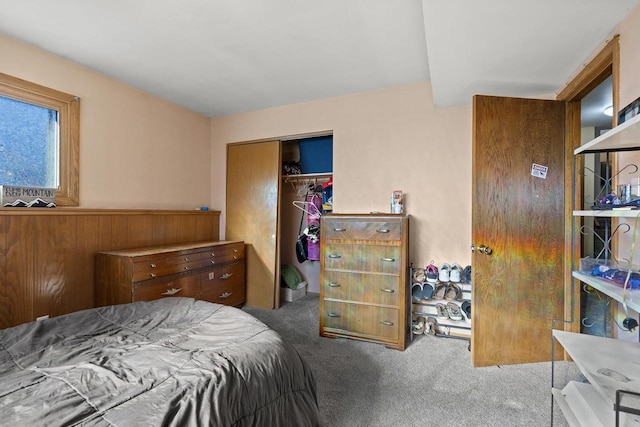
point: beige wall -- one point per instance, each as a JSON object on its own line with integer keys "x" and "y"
{"x": 391, "y": 139}
{"x": 136, "y": 150}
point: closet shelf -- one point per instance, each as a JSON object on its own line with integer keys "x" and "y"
{"x": 320, "y": 177}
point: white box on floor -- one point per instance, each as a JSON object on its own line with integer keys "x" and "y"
{"x": 290, "y": 295}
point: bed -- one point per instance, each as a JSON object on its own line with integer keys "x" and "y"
{"x": 168, "y": 362}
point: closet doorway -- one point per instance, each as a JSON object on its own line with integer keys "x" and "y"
{"x": 260, "y": 211}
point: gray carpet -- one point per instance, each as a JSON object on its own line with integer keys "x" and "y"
{"x": 431, "y": 383}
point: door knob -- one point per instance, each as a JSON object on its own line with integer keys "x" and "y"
{"x": 485, "y": 250}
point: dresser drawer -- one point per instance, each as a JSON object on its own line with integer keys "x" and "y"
{"x": 357, "y": 229}
{"x": 150, "y": 270}
{"x": 223, "y": 254}
{"x": 224, "y": 285}
{"x": 362, "y": 287}
{"x": 357, "y": 319}
{"x": 188, "y": 286}
{"x": 351, "y": 257}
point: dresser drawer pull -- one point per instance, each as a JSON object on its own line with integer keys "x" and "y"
{"x": 213, "y": 262}
{"x": 153, "y": 265}
{"x": 186, "y": 267}
{"x": 334, "y": 285}
{"x": 333, "y": 315}
{"x": 153, "y": 274}
{"x": 390, "y": 291}
{"x": 335, "y": 256}
{"x": 383, "y": 230}
{"x": 388, "y": 259}
{"x": 235, "y": 251}
{"x": 235, "y": 257}
{"x": 171, "y": 291}
{"x": 212, "y": 254}
{"x": 186, "y": 259}
{"x": 386, "y": 323}
{"x": 225, "y": 276}
{"x": 225, "y": 295}
{"x": 339, "y": 229}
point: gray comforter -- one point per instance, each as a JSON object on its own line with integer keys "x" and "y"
{"x": 170, "y": 362}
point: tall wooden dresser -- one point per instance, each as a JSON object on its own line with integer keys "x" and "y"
{"x": 211, "y": 271}
{"x": 364, "y": 278}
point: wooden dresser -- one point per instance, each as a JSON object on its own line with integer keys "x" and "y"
{"x": 211, "y": 271}
{"x": 364, "y": 278}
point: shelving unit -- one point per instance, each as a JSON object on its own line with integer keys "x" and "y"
{"x": 612, "y": 394}
{"x": 445, "y": 327}
{"x": 612, "y": 367}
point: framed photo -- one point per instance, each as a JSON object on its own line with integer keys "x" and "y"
{"x": 629, "y": 111}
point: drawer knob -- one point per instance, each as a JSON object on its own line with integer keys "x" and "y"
{"x": 213, "y": 262}
{"x": 186, "y": 259}
{"x": 153, "y": 274}
{"x": 390, "y": 291}
{"x": 226, "y": 276}
{"x": 333, "y": 315}
{"x": 339, "y": 229}
{"x": 388, "y": 259}
{"x": 212, "y": 254}
{"x": 153, "y": 265}
{"x": 235, "y": 251}
{"x": 334, "y": 285}
{"x": 186, "y": 267}
{"x": 335, "y": 256}
{"x": 235, "y": 257}
{"x": 386, "y": 323}
{"x": 225, "y": 295}
{"x": 171, "y": 291}
{"x": 383, "y": 230}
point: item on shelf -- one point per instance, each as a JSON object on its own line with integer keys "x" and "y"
{"x": 432, "y": 273}
{"x": 443, "y": 274}
{"x": 419, "y": 325}
{"x": 430, "y": 327}
{"x": 442, "y": 311}
{"x": 417, "y": 292}
{"x": 452, "y": 292}
{"x": 316, "y": 154}
{"x": 617, "y": 276}
{"x": 419, "y": 275}
{"x": 290, "y": 167}
{"x": 440, "y": 291}
{"x": 427, "y": 291}
{"x": 466, "y": 275}
{"x": 466, "y": 309}
{"x": 455, "y": 275}
{"x": 454, "y": 311}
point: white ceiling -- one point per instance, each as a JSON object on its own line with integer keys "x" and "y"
{"x": 220, "y": 57}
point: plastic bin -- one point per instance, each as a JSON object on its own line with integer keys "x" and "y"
{"x": 316, "y": 154}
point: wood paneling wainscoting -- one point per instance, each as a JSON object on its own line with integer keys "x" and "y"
{"x": 47, "y": 255}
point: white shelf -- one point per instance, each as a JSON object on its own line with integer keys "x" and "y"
{"x": 631, "y": 297}
{"x": 623, "y": 137}
{"x": 609, "y": 365}
{"x": 582, "y": 406}
{"x": 610, "y": 213}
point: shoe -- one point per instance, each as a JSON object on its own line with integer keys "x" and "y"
{"x": 418, "y": 275}
{"x": 442, "y": 311}
{"x": 432, "y": 273}
{"x": 454, "y": 311}
{"x": 419, "y": 325}
{"x": 443, "y": 275}
{"x": 440, "y": 291}
{"x": 417, "y": 292}
{"x": 427, "y": 291}
{"x": 466, "y": 309}
{"x": 455, "y": 273}
{"x": 431, "y": 326}
{"x": 466, "y": 274}
{"x": 452, "y": 292}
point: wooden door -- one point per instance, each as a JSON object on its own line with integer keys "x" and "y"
{"x": 253, "y": 200}
{"x": 518, "y": 212}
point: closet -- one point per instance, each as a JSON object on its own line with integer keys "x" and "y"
{"x": 260, "y": 211}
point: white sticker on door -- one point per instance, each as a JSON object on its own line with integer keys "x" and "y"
{"x": 539, "y": 171}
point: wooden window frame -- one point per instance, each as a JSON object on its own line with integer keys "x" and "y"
{"x": 68, "y": 108}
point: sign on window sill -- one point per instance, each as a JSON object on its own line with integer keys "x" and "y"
{"x": 27, "y": 197}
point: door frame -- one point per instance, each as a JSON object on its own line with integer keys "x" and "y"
{"x": 604, "y": 64}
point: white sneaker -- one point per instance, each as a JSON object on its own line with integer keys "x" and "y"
{"x": 444, "y": 272}
{"x": 456, "y": 273}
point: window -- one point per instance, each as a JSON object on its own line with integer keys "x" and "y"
{"x": 39, "y": 138}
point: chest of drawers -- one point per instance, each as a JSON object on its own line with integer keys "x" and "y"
{"x": 211, "y": 271}
{"x": 363, "y": 278}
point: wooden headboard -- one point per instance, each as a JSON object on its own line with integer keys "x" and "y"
{"x": 47, "y": 255}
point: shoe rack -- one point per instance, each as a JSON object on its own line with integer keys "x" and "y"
{"x": 427, "y": 307}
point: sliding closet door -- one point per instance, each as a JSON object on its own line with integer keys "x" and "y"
{"x": 253, "y": 200}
